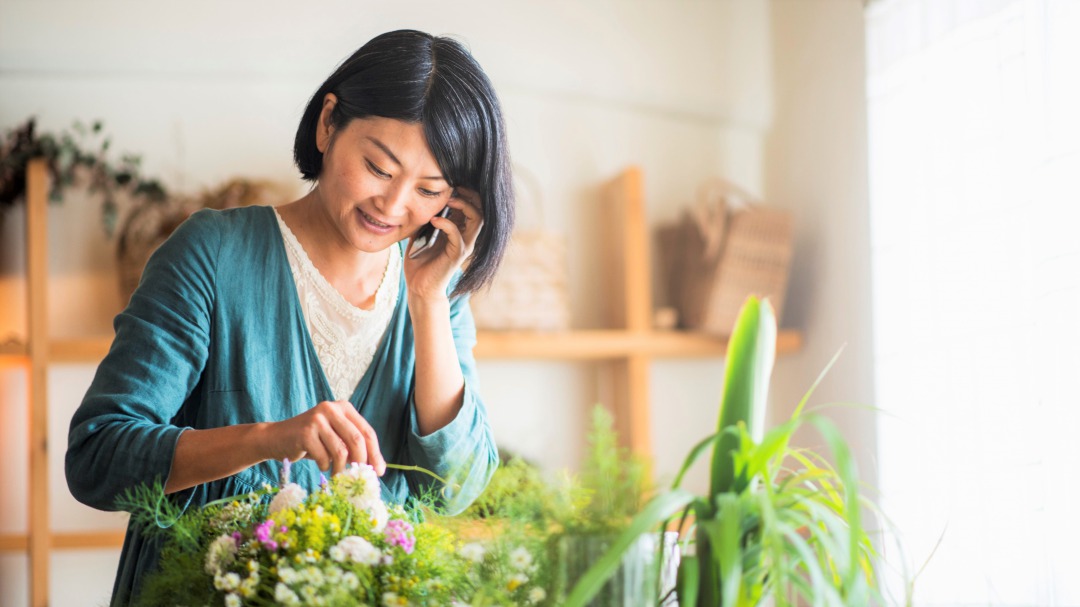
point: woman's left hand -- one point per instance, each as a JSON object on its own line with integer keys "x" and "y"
{"x": 429, "y": 274}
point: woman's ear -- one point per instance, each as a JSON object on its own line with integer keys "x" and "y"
{"x": 326, "y": 126}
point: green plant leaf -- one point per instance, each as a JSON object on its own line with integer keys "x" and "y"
{"x": 845, "y": 465}
{"x": 817, "y": 382}
{"x": 726, "y": 535}
{"x": 691, "y": 457}
{"x": 750, "y": 357}
{"x": 689, "y": 578}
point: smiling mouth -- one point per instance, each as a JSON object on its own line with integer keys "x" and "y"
{"x": 373, "y": 221}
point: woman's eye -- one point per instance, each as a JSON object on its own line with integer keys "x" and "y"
{"x": 375, "y": 169}
{"x": 429, "y": 193}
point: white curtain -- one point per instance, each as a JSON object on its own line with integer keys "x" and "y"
{"x": 974, "y": 128}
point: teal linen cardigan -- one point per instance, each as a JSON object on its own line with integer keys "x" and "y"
{"x": 215, "y": 335}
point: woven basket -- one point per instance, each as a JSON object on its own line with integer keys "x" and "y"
{"x": 530, "y": 291}
{"x": 730, "y": 247}
{"x": 150, "y": 223}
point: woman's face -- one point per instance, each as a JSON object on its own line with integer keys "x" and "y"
{"x": 379, "y": 182}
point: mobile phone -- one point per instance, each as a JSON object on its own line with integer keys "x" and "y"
{"x": 426, "y": 236}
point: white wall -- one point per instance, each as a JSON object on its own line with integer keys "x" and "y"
{"x": 816, "y": 165}
{"x": 207, "y": 90}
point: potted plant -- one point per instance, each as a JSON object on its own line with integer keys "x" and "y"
{"x": 778, "y": 522}
{"x": 610, "y": 490}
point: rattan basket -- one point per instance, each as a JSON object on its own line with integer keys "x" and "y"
{"x": 730, "y": 246}
{"x": 530, "y": 291}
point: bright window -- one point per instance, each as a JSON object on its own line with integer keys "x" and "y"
{"x": 974, "y": 127}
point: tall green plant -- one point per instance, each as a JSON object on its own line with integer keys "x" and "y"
{"x": 777, "y": 521}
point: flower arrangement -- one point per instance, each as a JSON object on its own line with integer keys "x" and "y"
{"x": 339, "y": 545}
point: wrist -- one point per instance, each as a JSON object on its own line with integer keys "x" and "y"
{"x": 261, "y": 446}
{"x": 427, "y": 303}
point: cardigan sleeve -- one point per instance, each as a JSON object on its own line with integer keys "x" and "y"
{"x": 463, "y": 451}
{"x": 123, "y": 433}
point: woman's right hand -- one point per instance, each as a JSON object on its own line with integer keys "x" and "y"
{"x": 332, "y": 433}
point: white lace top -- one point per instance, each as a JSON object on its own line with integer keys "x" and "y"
{"x": 345, "y": 336}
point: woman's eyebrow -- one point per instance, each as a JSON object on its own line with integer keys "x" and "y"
{"x": 386, "y": 150}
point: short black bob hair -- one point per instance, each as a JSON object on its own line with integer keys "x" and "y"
{"x": 415, "y": 77}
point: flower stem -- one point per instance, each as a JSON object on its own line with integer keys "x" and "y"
{"x": 419, "y": 469}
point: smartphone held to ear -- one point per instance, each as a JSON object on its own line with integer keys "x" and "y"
{"x": 425, "y": 238}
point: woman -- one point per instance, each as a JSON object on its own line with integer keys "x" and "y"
{"x": 313, "y": 331}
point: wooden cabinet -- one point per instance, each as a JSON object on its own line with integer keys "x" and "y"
{"x": 629, "y": 347}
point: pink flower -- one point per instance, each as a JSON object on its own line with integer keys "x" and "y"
{"x": 264, "y": 533}
{"x": 399, "y": 533}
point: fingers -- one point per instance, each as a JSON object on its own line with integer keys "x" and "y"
{"x": 455, "y": 242}
{"x": 464, "y": 227}
{"x": 373, "y": 454}
{"x": 334, "y": 435}
{"x": 468, "y": 203}
{"x": 348, "y": 432}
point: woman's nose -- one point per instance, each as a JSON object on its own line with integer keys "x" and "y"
{"x": 394, "y": 199}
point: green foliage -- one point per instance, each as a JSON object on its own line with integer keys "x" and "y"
{"x": 777, "y": 522}
{"x": 614, "y": 482}
{"x": 518, "y": 493}
{"x": 83, "y": 148}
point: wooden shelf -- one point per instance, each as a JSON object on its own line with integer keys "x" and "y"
{"x": 82, "y": 350}
{"x": 66, "y": 541}
{"x": 610, "y": 344}
{"x": 13, "y": 354}
{"x": 597, "y": 344}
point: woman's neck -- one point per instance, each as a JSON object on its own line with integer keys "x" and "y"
{"x": 354, "y": 273}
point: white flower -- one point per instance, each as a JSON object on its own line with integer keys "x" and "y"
{"x": 231, "y": 600}
{"x": 359, "y": 550}
{"x": 227, "y": 582}
{"x": 286, "y": 575}
{"x": 285, "y": 596}
{"x": 362, "y": 482}
{"x": 220, "y": 554}
{"x": 391, "y": 599}
{"x": 351, "y": 581}
{"x": 337, "y": 554}
{"x": 290, "y": 496}
{"x": 473, "y": 552}
{"x": 517, "y": 581}
{"x": 536, "y": 595}
{"x": 314, "y": 576}
{"x": 379, "y": 515}
{"x": 520, "y": 559}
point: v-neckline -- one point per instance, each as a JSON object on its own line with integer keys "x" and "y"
{"x": 326, "y": 392}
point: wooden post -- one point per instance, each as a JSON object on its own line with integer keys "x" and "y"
{"x": 38, "y": 351}
{"x": 628, "y": 268}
